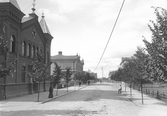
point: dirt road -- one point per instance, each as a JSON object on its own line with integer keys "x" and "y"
{"x": 95, "y": 100}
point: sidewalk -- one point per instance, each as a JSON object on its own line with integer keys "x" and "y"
{"x": 150, "y": 107}
{"x": 32, "y": 99}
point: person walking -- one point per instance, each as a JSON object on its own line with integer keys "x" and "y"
{"x": 51, "y": 91}
{"x": 120, "y": 89}
{"x": 79, "y": 83}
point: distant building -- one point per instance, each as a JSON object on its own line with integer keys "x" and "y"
{"x": 26, "y": 36}
{"x": 92, "y": 74}
{"x": 65, "y": 61}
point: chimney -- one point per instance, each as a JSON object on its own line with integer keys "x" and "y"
{"x": 60, "y": 52}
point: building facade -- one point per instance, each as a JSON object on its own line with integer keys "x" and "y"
{"x": 65, "y": 61}
{"x": 25, "y": 37}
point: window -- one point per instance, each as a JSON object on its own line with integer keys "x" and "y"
{"x": 12, "y": 44}
{"x": 37, "y": 51}
{"x": 33, "y": 51}
{"x": 23, "y": 74}
{"x": 24, "y": 48}
{"x": 28, "y": 50}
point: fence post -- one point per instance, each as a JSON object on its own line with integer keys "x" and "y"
{"x": 153, "y": 92}
{"x": 146, "y": 91}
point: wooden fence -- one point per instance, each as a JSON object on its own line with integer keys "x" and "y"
{"x": 154, "y": 93}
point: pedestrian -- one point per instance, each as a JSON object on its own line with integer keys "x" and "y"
{"x": 120, "y": 89}
{"x": 51, "y": 91}
{"x": 88, "y": 82}
{"x": 79, "y": 83}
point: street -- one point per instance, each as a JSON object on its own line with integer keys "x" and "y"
{"x": 98, "y": 99}
{"x": 95, "y": 100}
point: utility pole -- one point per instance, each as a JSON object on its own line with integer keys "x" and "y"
{"x": 102, "y": 71}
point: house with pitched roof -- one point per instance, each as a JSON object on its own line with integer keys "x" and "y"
{"x": 25, "y": 36}
{"x": 65, "y": 61}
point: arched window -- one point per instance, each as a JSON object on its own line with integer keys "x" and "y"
{"x": 29, "y": 50}
{"x": 24, "y": 48}
{"x": 33, "y": 51}
{"x": 37, "y": 51}
{"x": 12, "y": 43}
{"x": 23, "y": 74}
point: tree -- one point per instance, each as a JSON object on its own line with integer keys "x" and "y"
{"x": 83, "y": 76}
{"x": 141, "y": 64}
{"x": 134, "y": 69}
{"x": 79, "y": 76}
{"x": 68, "y": 76}
{"x": 117, "y": 75}
{"x": 141, "y": 60}
{"x": 6, "y": 64}
{"x": 157, "y": 48}
{"x": 38, "y": 71}
{"x": 56, "y": 76}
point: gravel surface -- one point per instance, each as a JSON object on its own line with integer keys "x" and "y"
{"x": 95, "y": 100}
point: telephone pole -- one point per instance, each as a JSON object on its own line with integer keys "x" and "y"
{"x": 102, "y": 71}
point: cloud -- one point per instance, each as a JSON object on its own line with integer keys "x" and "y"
{"x": 54, "y": 16}
{"x": 68, "y": 6}
{"x": 106, "y": 66}
{"x": 105, "y": 11}
{"x": 101, "y": 10}
{"x": 90, "y": 24}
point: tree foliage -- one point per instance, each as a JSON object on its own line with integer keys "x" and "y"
{"x": 148, "y": 64}
{"x": 68, "y": 74}
{"x": 3, "y": 41}
{"x": 141, "y": 61}
{"x": 6, "y": 64}
{"x": 57, "y": 75}
{"x": 37, "y": 69}
{"x": 84, "y": 76}
{"x": 157, "y": 48}
{"x": 133, "y": 69}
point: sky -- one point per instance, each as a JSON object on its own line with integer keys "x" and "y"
{"x": 83, "y": 27}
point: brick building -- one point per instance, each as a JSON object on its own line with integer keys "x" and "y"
{"x": 26, "y": 36}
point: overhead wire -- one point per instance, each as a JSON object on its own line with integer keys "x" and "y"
{"x": 110, "y": 34}
{"x": 27, "y": 7}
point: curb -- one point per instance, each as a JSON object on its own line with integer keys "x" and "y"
{"x": 61, "y": 95}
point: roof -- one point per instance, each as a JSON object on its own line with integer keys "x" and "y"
{"x": 44, "y": 25}
{"x": 14, "y": 2}
{"x": 62, "y": 57}
{"x": 24, "y": 19}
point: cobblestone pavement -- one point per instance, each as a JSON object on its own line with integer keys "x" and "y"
{"x": 95, "y": 100}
